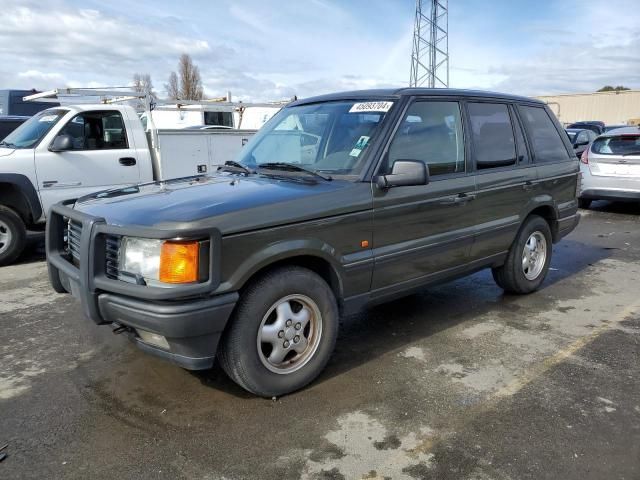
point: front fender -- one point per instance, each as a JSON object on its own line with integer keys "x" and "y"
{"x": 28, "y": 191}
{"x": 280, "y": 251}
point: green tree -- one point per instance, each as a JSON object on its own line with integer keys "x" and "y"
{"x": 609, "y": 88}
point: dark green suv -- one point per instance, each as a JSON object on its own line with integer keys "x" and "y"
{"x": 340, "y": 201}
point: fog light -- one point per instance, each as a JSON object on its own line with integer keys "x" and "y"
{"x": 153, "y": 339}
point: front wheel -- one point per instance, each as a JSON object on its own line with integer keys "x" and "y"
{"x": 282, "y": 332}
{"x": 528, "y": 259}
{"x": 13, "y": 235}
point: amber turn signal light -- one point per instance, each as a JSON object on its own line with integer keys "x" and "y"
{"x": 179, "y": 262}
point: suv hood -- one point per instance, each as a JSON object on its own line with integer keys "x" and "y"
{"x": 4, "y": 151}
{"x": 230, "y": 203}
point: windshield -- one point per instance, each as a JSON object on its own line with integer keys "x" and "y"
{"x": 571, "y": 135}
{"x": 31, "y": 132}
{"x": 330, "y": 137}
{"x": 628, "y": 144}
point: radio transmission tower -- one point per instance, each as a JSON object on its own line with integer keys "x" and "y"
{"x": 430, "y": 53}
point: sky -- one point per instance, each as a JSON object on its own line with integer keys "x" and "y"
{"x": 264, "y": 50}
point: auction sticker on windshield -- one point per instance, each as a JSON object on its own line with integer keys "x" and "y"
{"x": 371, "y": 107}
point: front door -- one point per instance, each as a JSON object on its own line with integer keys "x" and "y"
{"x": 422, "y": 230}
{"x": 102, "y": 157}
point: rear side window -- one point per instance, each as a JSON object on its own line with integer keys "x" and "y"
{"x": 619, "y": 145}
{"x": 547, "y": 144}
{"x": 492, "y": 133}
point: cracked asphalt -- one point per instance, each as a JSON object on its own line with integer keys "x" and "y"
{"x": 456, "y": 382}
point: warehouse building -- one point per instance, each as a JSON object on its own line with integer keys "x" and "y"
{"x": 612, "y": 108}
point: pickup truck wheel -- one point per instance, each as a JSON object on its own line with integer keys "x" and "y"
{"x": 282, "y": 332}
{"x": 528, "y": 259}
{"x": 13, "y": 235}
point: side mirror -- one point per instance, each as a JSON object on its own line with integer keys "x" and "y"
{"x": 61, "y": 143}
{"x": 405, "y": 173}
{"x": 581, "y": 144}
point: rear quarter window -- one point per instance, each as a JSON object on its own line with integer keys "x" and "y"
{"x": 618, "y": 145}
{"x": 545, "y": 138}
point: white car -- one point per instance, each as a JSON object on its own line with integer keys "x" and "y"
{"x": 610, "y": 167}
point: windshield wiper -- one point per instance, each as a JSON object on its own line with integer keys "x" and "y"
{"x": 233, "y": 166}
{"x": 631, "y": 153}
{"x": 292, "y": 167}
{"x": 7, "y": 144}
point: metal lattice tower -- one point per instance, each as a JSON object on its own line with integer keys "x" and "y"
{"x": 430, "y": 53}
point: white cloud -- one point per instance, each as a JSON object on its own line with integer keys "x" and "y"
{"x": 266, "y": 50}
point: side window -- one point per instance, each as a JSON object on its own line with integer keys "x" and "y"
{"x": 521, "y": 144}
{"x": 96, "y": 131}
{"x": 493, "y": 142}
{"x": 432, "y": 133}
{"x": 547, "y": 144}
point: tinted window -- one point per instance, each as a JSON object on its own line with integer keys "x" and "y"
{"x": 432, "y": 133}
{"x": 547, "y": 144}
{"x": 492, "y": 133}
{"x": 96, "y": 131}
{"x": 224, "y": 119}
{"x": 628, "y": 144}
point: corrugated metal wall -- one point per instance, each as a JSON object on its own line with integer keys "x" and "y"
{"x": 609, "y": 107}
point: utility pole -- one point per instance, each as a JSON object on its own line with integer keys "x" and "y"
{"x": 430, "y": 53}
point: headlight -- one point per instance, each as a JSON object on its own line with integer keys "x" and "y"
{"x": 165, "y": 261}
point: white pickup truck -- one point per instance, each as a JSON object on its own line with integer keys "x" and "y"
{"x": 69, "y": 151}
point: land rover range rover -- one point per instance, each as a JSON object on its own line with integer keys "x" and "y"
{"x": 338, "y": 202}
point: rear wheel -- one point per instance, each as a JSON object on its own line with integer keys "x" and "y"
{"x": 13, "y": 235}
{"x": 282, "y": 332}
{"x": 528, "y": 259}
{"x": 584, "y": 203}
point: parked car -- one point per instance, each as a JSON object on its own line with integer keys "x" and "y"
{"x": 340, "y": 201}
{"x": 611, "y": 167}
{"x": 67, "y": 152}
{"x": 593, "y": 125}
{"x": 8, "y": 123}
{"x": 580, "y": 139}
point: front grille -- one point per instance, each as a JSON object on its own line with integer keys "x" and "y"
{"x": 74, "y": 231}
{"x": 112, "y": 251}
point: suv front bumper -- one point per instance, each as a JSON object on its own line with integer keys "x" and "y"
{"x": 189, "y": 318}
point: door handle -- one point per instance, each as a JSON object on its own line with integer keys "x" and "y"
{"x": 528, "y": 186}
{"x": 127, "y": 161}
{"x": 55, "y": 183}
{"x": 458, "y": 199}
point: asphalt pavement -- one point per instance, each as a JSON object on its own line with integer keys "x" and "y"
{"x": 456, "y": 382}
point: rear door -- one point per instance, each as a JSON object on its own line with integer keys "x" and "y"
{"x": 505, "y": 177}
{"x": 103, "y": 156}
{"x": 616, "y": 156}
{"x": 556, "y": 164}
{"x": 422, "y": 230}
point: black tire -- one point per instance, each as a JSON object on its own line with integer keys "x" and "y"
{"x": 238, "y": 351}
{"x": 511, "y": 276}
{"x": 584, "y": 203}
{"x": 14, "y": 231}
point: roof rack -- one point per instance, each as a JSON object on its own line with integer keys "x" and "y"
{"x": 111, "y": 95}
